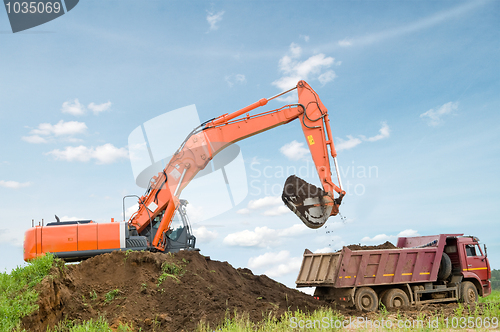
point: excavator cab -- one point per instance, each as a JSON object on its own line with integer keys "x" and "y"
{"x": 179, "y": 235}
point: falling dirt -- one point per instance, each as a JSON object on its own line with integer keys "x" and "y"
{"x": 125, "y": 288}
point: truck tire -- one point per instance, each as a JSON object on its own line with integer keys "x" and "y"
{"x": 395, "y": 298}
{"x": 468, "y": 292}
{"x": 444, "y": 267}
{"x": 366, "y": 299}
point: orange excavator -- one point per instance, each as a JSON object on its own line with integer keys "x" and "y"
{"x": 150, "y": 228}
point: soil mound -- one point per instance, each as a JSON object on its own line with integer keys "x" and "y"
{"x": 165, "y": 292}
{"x": 386, "y": 245}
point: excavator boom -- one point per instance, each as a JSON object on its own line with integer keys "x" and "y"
{"x": 312, "y": 205}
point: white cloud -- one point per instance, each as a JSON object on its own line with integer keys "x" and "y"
{"x": 260, "y": 237}
{"x": 34, "y": 139}
{"x": 104, "y": 154}
{"x": 264, "y": 202}
{"x": 60, "y": 129}
{"x": 277, "y": 211}
{"x": 295, "y": 50}
{"x": 290, "y": 266}
{"x": 76, "y": 108}
{"x": 204, "y": 235}
{"x": 130, "y": 211}
{"x": 434, "y": 117}
{"x": 233, "y": 79}
{"x": 13, "y": 237}
{"x": 384, "y": 133}
{"x": 276, "y": 264}
{"x": 351, "y": 142}
{"x": 46, "y": 131}
{"x": 342, "y": 144}
{"x": 408, "y": 233}
{"x": 323, "y": 250}
{"x": 295, "y": 70}
{"x": 269, "y": 258}
{"x": 412, "y": 27}
{"x": 14, "y": 184}
{"x": 345, "y": 43}
{"x": 243, "y": 211}
{"x": 294, "y": 150}
{"x": 213, "y": 19}
{"x": 108, "y": 153}
{"x": 73, "y": 107}
{"x": 326, "y": 77}
{"x": 195, "y": 213}
{"x": 273, "y": 206}
{"x": 293, "y": 230}
{"x": 98, "y": 108}
{"x": 263, "y": 236}
{"x": 380, "y": 238}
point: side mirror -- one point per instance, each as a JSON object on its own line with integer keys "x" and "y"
{"x": 485, "y": 251}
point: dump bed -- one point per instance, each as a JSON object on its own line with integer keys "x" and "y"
{"x": 417, "y": 260}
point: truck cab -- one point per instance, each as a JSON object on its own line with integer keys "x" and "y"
{"x": 470, "y": 261}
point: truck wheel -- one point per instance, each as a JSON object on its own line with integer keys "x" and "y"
{"x": 468, "y": 292}
{"x": 366, "y": 299}
{"x": 444, "y": 267}
{"x": 395, "y": 298}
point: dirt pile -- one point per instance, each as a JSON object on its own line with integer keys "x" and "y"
{"x": 167, "y": 292}
{"x": 386, "y": 245}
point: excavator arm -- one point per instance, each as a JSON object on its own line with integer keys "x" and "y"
{"x": 312, "y": 205}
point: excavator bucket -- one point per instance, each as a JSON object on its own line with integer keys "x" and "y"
{"x": 311, "y": 204}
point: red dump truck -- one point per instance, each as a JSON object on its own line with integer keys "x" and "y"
{"x": 423, "y": 269}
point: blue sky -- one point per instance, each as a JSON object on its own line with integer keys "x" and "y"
{"x": 412, "y": 89}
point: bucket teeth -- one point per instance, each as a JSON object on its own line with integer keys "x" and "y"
{"x": 311, "y": 204}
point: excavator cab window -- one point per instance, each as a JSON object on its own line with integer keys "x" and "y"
{"x": 176, "y": 227}
{"x": 157, "y": 220}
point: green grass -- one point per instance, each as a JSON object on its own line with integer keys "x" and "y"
{"x": 17, "y": 294}
{"x": 98, "y": 325}
{"x": 493, "y": 297}
{"x": 170, "y": 270}
{"x": 111, "y": 295}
